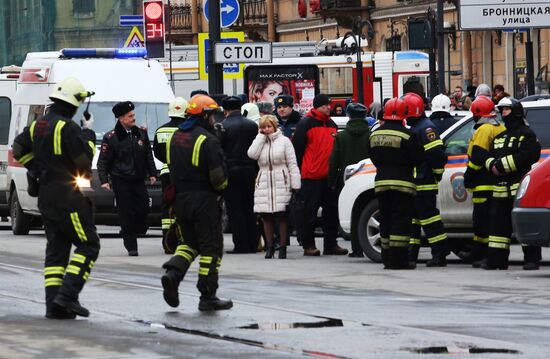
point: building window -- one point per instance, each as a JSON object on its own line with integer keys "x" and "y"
{"x": 83, "y": 9}
{"x": 393, "y": 43}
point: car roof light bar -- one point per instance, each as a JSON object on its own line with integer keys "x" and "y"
{"x": 109, "y": 53}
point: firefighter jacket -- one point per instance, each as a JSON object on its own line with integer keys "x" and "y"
{"x": 239, "y": 132}
{"x": 195, "y": 159}
{"x": 126, "y": 155}
{"x": 57, "y": 151}
{"x": 513, "y": 153}
{"x": 395, "y": 151}
{"x": 430, "y": 171}
{"x": 313, "y": 142}
{"x": 476, "y": 177}
{"x": 442, "y": 120}
{"x": 351, "y": 146}
{"x": 288, "y": 125}
{"x": 162, "y": 135}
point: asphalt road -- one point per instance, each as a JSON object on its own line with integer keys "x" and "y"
{"x": 324, "y": 307}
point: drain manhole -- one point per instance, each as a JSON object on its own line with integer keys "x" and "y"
{"x": 461, "y": 350}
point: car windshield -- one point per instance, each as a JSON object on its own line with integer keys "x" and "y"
{"x": 148, "y": 115}
{"x": 539, "y": 120}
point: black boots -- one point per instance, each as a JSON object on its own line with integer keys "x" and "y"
{"x": 282, "y": 252}
{"x": 54, "y": 311}
{"x": 170, "y": 282}
{"x": 71, "y": 306}
{"x": 214, "y": 303}
{"x": 437, "y": 261}
{"x": 269, "y": 252}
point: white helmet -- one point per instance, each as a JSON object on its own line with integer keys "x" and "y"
{"x": 177, "y": 107}
{"x": 70, "y": 91}
{"x": 441, "y": 103}
{"x": 250, "y": 111}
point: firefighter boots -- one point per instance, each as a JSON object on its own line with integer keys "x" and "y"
{"x": 214, "y": 303}
{"x": 170, "y": 282}
{"x": 71, "y": 305}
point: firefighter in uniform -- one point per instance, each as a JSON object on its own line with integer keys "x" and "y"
{"x": 513, "y": 153}
{"x": 427, "y": 176}
{"x": 176, "y": 112}
{"x": 476, "y": 178}
{"x": 198, "y": 172}
{"x": 58, "y": 154}
{"x": 395, "y": 151}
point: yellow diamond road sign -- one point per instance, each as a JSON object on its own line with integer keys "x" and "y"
{"x": 135, "y": 39}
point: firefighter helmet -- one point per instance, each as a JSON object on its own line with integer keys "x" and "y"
{"x": 394, "y": 110}
{"x": 414, "y": 104}
{"x": 483, "y": 107}
{"x": 515, "y": 105}
{"x": 441, "y": 103}
{"x": 177, "y": 107}
{"x": 71, "y": 91}
{"x": 199, "y": 104}
{"x": 250, "y": 111}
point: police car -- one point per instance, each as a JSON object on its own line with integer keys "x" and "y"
{"x": 358, "y": 207}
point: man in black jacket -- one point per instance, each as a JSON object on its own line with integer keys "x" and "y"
{"x": 126, "y": 157}
{"x": 239, "y": 196}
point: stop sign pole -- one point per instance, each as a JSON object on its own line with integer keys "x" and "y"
{"x": 215, "y": 71}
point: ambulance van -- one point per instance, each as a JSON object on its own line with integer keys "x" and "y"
{"x": 114, "y": 75}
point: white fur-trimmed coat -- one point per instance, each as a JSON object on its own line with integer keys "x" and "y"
{"x": 279, "y": 172}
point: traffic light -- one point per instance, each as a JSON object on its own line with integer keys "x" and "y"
{"x": 153, "y": 25}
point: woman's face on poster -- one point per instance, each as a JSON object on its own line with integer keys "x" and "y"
{"x": 272, "y": 90}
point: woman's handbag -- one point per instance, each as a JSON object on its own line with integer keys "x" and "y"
{"x": 297, "y": 214}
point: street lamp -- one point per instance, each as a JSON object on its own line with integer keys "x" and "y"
{"x": 357, "y": 35}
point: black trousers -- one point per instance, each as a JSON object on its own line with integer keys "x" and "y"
{"x": 239, "y": 202}
{"x": 481, "y": 219}
{"x": 65, "y": 228}
{"x": 198, "y": 215}
{"x": 317, "y": 194}
{"x": 427, "y": 217}
{"x": 396, "y": 213}
{"x": 498, "y": 249}
{"x": 132, "y": 202}
{"x": 167, "y": 219}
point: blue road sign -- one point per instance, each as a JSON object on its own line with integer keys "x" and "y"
{"x": 229, "y": 12}
{"x": 514, "y": 30}
{"x": 130, "y": 20}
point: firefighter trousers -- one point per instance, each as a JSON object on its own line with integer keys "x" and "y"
{"x": 168, "y": 219}
{"x": 65, "y": 274}
{"x": 498, "y": 249}
{"x": 427, "y": 217}
{"x": 198, "y": 215}
{"x": 396, "y": 212}
{"x": 481, "y": 219}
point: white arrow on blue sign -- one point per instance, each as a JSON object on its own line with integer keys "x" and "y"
{"x": 130, "y": 20}
{"x": 229, "y": 12}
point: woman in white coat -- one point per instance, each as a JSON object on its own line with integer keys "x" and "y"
{"x": 278, "y": 177}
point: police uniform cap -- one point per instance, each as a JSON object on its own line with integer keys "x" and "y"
{"x": 284, "y": 100}
{"x": 122, "y": 108}
{"x": 232, "y": 103}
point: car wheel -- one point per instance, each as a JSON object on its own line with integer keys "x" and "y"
{"x": 368, "y": 231}
{"x": 20, "y": 222}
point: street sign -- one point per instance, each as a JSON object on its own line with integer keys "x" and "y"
{"x": 503, "y": 14}
{"x": 130, "y": 20}
{"x": 245, "y": 52}
{"x": 229, "y": 12}
{"x": 230, "y": 71}
{"x": 135, "y": 39}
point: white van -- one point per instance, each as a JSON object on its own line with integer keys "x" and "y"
{"x": 8, "y": 86}
{"x": 115, "y": 75}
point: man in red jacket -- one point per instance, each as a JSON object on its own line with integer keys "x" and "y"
{"x": 313, "y": 142}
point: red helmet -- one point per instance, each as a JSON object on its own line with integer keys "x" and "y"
{"x": 394, "y": 110}
{"x": 414, "y": 104}
{"x": 483, "y": 106}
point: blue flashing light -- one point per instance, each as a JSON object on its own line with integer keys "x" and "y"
{"x": 110, "y": 53}
{"x": 411, "y": 55}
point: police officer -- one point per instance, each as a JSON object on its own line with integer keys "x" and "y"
{"x": 287, "y": 116}
{"x": 60, "y": 154}
{"x": 198, "y": 172}
{"x": 126, "y": 157}
{"x": 176, "y": 112}
{"x": 477, "y": 179}
{"x": 395, "y": 151}
{"x": 441, "y": 117}
{"x": 513, "y": 153}
{"x": 427, "y": 176}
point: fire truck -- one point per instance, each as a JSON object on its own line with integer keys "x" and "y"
{"x": 304, "y": 69}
